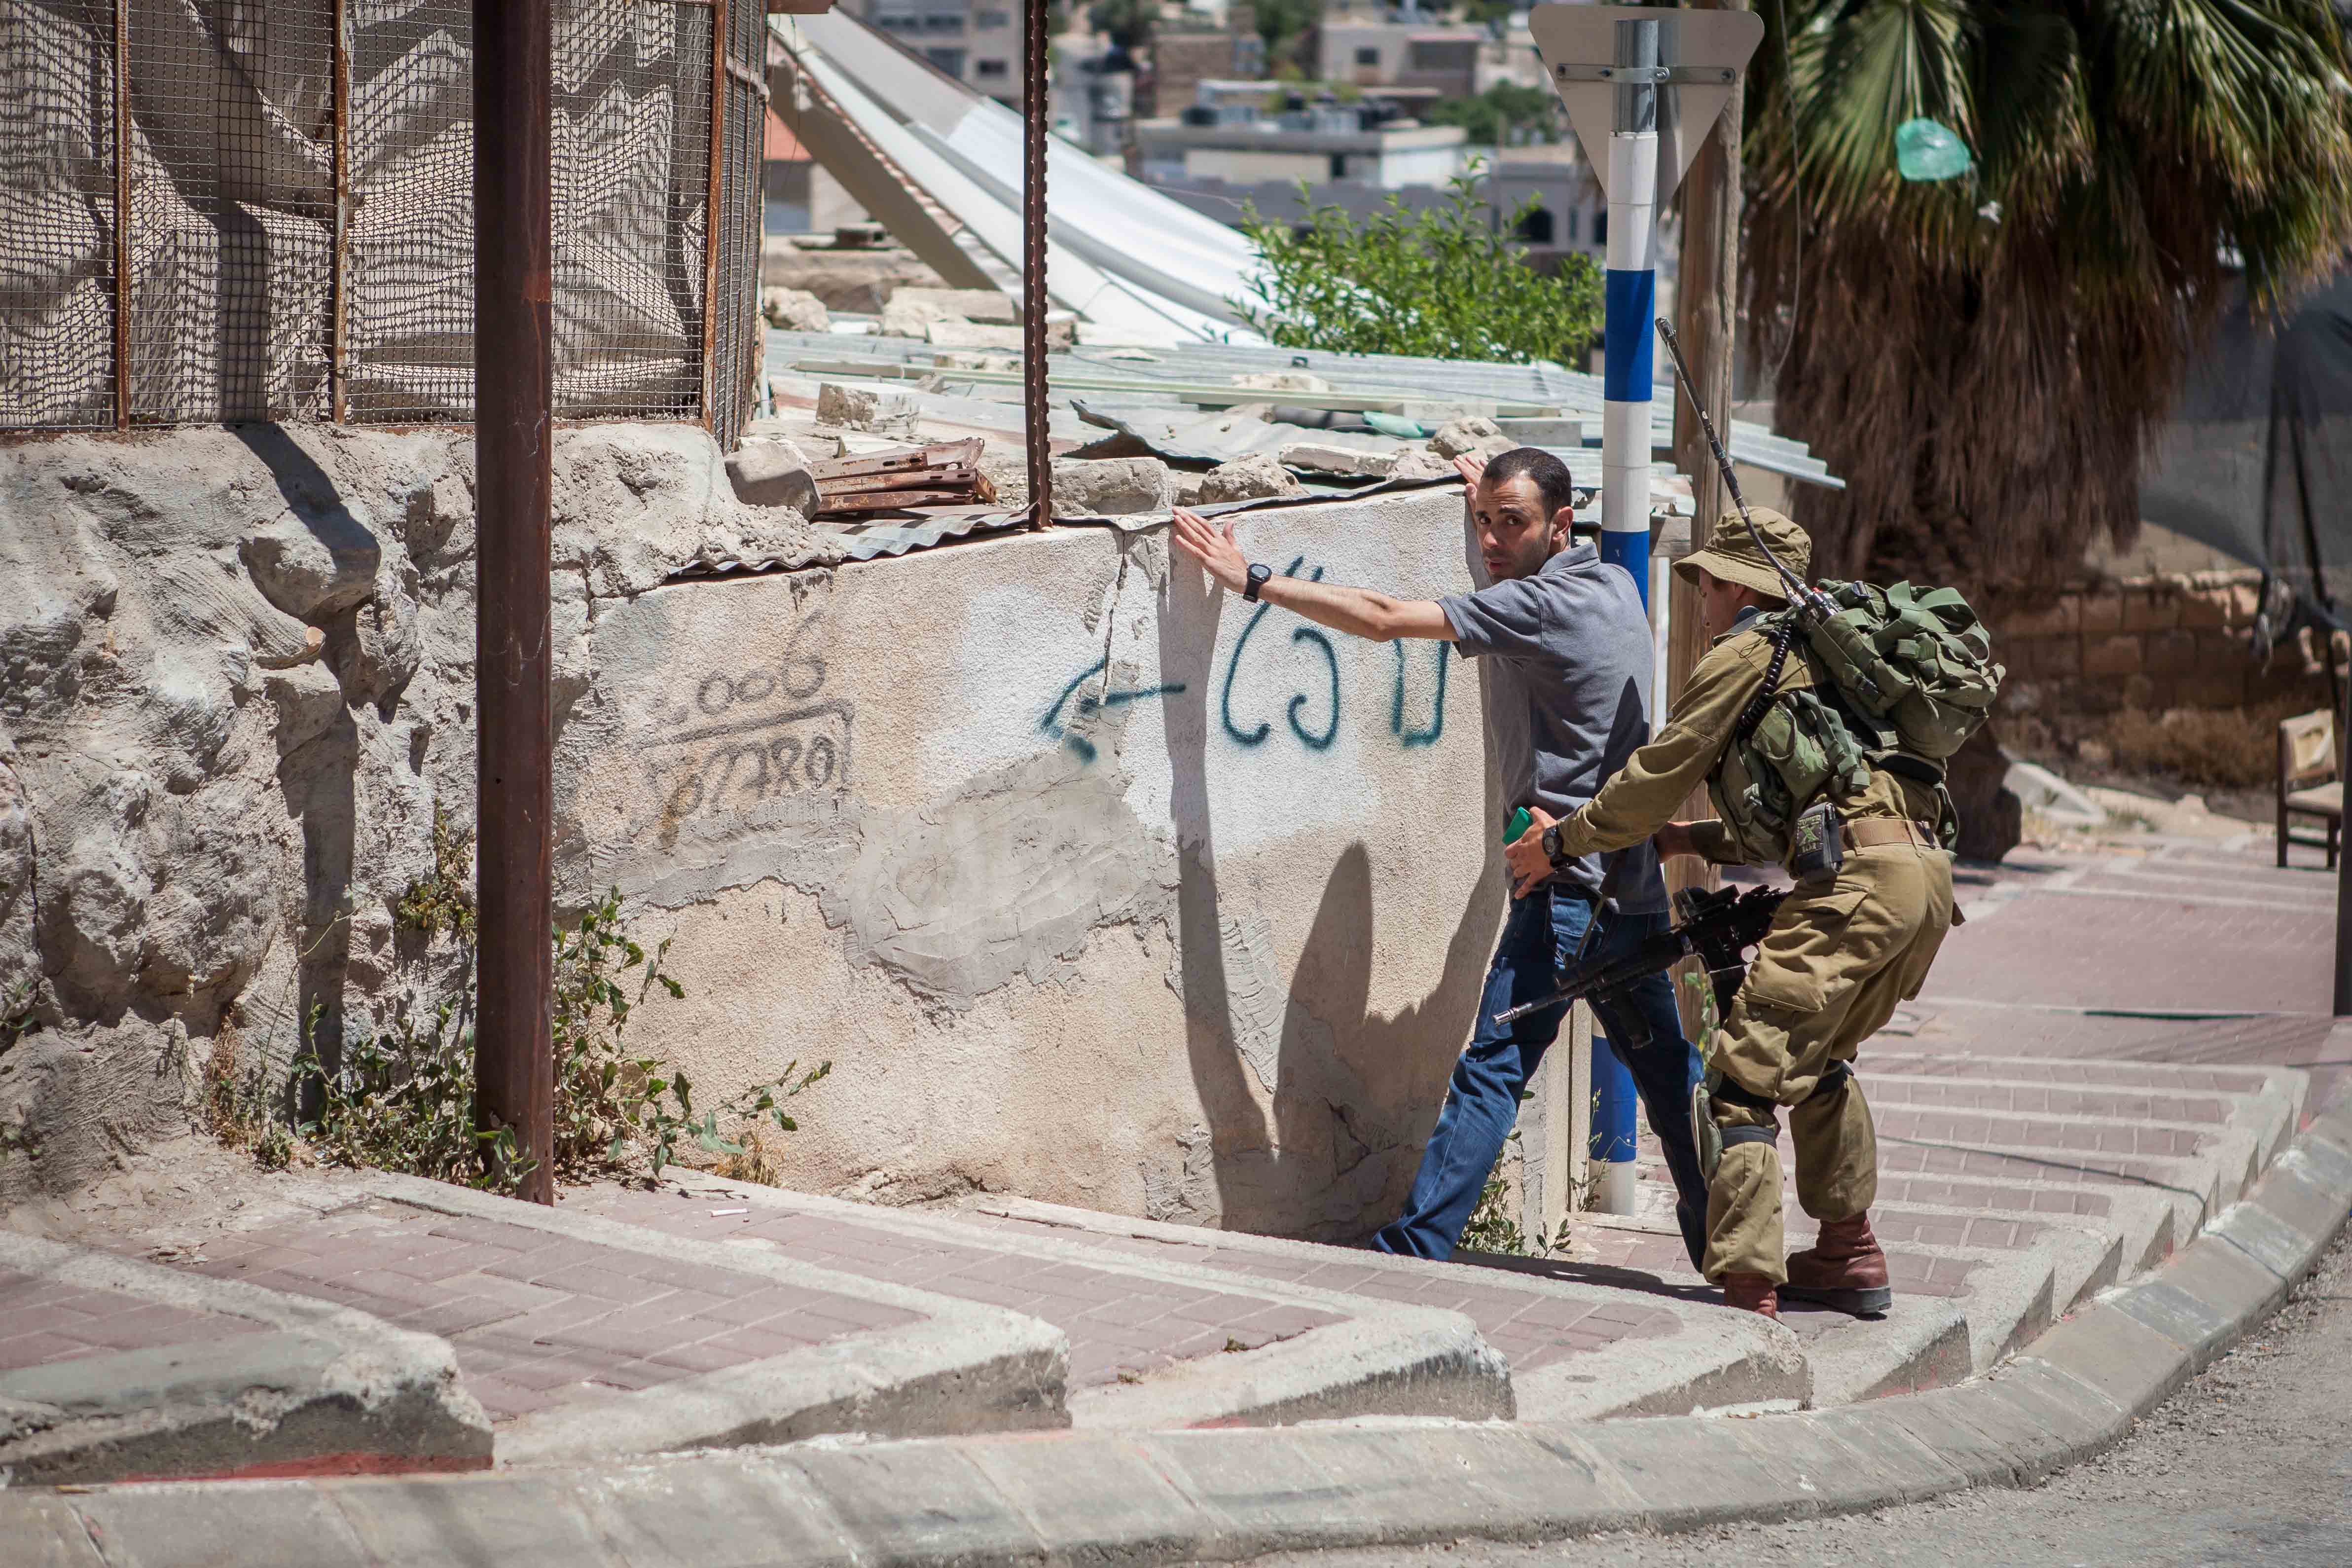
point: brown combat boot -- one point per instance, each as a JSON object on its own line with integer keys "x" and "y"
{"x": 1751, "y": 1293}
{"x": 1843, "y": 1270}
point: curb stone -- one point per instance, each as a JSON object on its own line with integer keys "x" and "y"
{"x": 1111, "y": 1497}
{"x": 962, "y": 1368}
{"x": 1384, "y": 1356}
{"x": 305, "y": 1387}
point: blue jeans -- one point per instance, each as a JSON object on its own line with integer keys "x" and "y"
{"x": 1543, "y": 936}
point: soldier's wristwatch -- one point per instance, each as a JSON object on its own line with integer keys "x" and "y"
{"x": 1552, "y": 849}
{"x": 1258, "y": 575}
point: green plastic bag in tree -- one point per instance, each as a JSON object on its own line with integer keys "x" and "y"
{"x": 1926, "y": 151}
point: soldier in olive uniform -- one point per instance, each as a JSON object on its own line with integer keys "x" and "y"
{"x": 1840, "y": 955}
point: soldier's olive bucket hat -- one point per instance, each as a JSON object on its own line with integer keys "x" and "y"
{"x": 1732, "y": 556}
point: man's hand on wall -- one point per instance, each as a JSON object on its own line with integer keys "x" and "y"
{"x": 1215, "y": 548}
{"x": 1472, "y": 468}
{"x": 1530, "y": 867}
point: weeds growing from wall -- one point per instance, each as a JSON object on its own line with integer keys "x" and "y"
{"x": 404, "y": 1100}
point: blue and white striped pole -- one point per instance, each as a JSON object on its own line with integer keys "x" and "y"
{"x": 1631, "y": 306}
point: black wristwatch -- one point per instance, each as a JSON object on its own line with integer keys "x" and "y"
{"x": 1552, "y": 845}
{"x": 1258, "y": 575}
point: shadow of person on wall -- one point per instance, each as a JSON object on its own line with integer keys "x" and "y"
{"x": 1237, "y": 1129}
{"x": 1317, "y": 1107}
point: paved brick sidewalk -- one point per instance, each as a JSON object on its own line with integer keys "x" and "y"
{"x": 538, "y": 1320}
{"x": 1120, "y": 1325}
{"x": 43, "y": 1320}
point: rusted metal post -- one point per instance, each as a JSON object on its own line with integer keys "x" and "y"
{"x": 1036, "y": 114}
{"x": 714, "y": 228}
{"x": 514, "y": 377}
{"x": 121, "y": 213}
{"x": 339, "y": 279}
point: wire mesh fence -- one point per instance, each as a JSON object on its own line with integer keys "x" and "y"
{"x": 297, "y": 177}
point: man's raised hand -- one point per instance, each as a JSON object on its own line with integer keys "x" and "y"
{"x": 1215, "y": 548}
{"x": 1472, "y": 468}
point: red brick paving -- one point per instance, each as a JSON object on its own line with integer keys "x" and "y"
{"x": 538, "y": 1320}
{"x": 1118, "y": 1323}
{"x": 43, "y": 1320}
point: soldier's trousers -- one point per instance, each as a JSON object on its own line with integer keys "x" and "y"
{"x": 1828, "y": 974}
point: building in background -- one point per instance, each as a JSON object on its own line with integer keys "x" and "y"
{"x": 1245, "y": 143}
{"x": 978, "y": 42}
{"x": 1234, "y": 140}
{"x": 1383, "y": 48}
{"x": 801, "y": 196}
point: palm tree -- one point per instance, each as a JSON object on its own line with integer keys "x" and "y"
{"x": 1982, "y": 358}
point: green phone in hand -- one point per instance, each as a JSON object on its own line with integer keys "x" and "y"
{"x": 1520, "y": 823}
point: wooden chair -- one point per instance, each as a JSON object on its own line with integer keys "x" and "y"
{"x": 2310, "y": 781}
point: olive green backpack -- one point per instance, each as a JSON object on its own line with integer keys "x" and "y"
{"x": 1915, "y": 665}
{"x": 1911, "y": 677}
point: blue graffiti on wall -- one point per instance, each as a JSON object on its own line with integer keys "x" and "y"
{"x": 1311, "y": 740}
{"x": 1065, "y": 718}
{"x": 1428, "y": 737}
{"x": 1053, "y": 724}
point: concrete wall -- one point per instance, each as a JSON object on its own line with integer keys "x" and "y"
{"x": 1094, "y": 886}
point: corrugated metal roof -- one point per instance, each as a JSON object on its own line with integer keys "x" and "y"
{"x": 1578, "y": 395}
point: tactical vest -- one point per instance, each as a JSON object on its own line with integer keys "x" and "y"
{"x": 1894, "y": 681}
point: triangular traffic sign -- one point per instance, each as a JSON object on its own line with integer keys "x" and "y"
{"x": 1714, "y": 46}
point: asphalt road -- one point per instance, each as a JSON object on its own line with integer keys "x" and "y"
{"x": 2252, "y": 1463}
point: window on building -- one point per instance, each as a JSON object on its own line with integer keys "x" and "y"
{"x": 1600, "y": 229}
{"x": 992, "y": 70}
{"x": 1441, "y": 54}
{"x": 948, "y": 61}
{"x": 1535, "y": 228}
{"x": 1571, "y": 225}
{"x": 991, "y": 19}
{"x": 1338, "y": 165}
{"x": 1367, "y": 56}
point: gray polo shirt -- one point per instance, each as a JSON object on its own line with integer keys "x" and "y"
{"x": 1571, "y": 646}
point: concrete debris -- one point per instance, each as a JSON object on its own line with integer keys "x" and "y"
{"x": 953, "y": 332}
{"x": 988, "y": 305}
{"x": 771, "y": 473}
{"x": 1007, "y": 470}
{"x": 795, "y": 310}
{"x": 864, "y": 408}
{"x": 1282, "y": 380}
{"x": 1464, "y": 438}
{"x": 1246, "y": 479}
{"x": 905, "y": 317}
{"x": 959, "y": 360}
{"x": 1320, "y": 457}
{"x": 1111, "y": 487}
{"x": 1420, "y": 464}
{"x": 852, "y": 280}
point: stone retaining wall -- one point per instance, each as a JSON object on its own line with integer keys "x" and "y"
{"x": 2178, "y": 640}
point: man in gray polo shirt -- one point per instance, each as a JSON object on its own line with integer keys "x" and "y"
{"x": 1571, "y": 646}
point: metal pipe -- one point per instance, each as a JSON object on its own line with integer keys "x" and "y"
{"x": 1036, "y": 113}
{"x": 1629, "y": 305}
{"x": 122, "y": 215}
{"x": 339, "y": 279}
{"x": 514, "y": 377}
{"x": 713, "y": 228}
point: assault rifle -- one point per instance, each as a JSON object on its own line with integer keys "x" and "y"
{"x": 1719, "y": 927}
